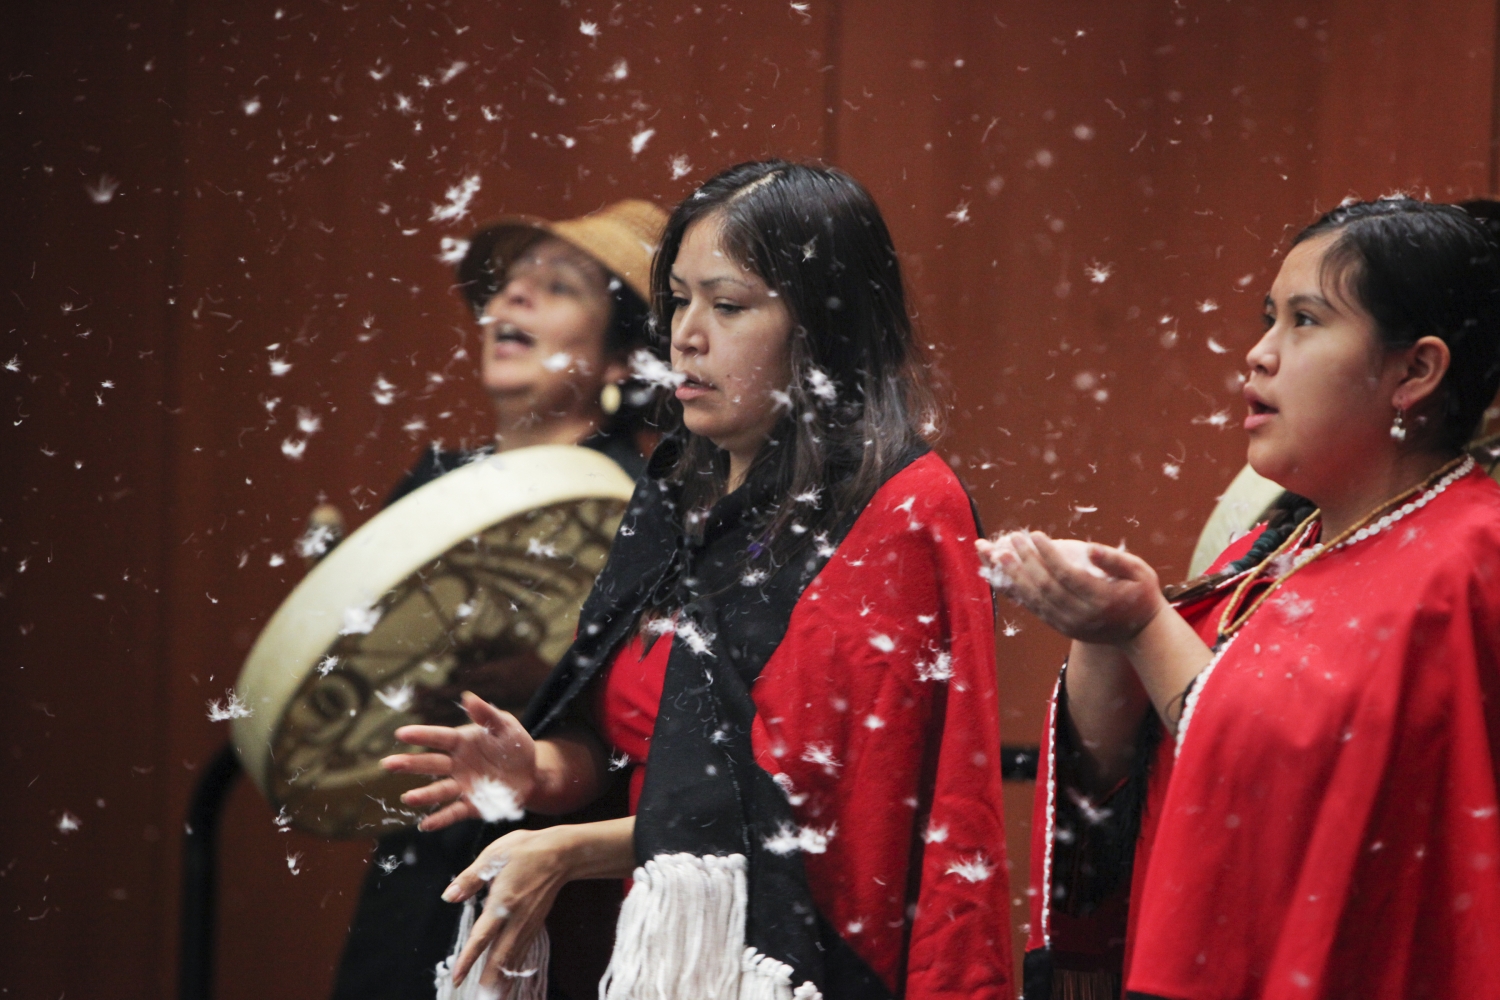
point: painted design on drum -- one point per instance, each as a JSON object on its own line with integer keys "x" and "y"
{"x": 509, "y": 596}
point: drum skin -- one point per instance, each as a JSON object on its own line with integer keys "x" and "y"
{"x": 1242, "y": 506}
{"x": 487, "y": 564}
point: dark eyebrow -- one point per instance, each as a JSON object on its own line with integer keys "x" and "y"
{"x": 712, "y": 282}
{"x": 1315, "y": 300}
{"x": 1302, "y": 298}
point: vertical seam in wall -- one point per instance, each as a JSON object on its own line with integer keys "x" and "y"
{"x": 831, "y": 82}
{"x": 169, "y": 857}
{"x": 1494, "y": 172}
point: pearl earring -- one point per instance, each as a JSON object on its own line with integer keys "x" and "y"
{"x": 609, "y": 399}
{"x": 1398, "y": 427}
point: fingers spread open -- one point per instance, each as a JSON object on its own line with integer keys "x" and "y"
{"x": 452, "y": 813}
{"x": 473, "y": 948}
{"x": 436, "y": 764}
{"x": 484, "y": 714}
{"x": 395, "y": 762}
{"x": 443, "y": 738}
{"x": 432, "y": 795}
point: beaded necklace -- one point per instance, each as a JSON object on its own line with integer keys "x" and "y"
{"x": 1376, "y": 521}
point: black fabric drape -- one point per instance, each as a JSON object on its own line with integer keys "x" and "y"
{"x": 703, "y": 792}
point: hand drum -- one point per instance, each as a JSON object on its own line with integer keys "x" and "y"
{"x": 483, "y": 570}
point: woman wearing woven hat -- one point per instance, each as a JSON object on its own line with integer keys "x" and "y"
{"x": 1281, "y": 781}
{"x": 791, "y": 645}
{"x": 561, "y": 308}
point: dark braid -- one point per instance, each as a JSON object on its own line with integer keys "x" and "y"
{"x": 1288, "y": 511}
{"x": 1282, "y": 517}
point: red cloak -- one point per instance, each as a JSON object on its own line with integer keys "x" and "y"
{"x": 1329, "y": 826}
{"x": 878, "y": 714}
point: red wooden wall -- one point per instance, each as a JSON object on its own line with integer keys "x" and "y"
{"x": 187, "y": 185}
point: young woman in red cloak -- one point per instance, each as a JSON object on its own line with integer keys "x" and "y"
{"x": 791, "y": 644}
{"x": 1281, "y": 782}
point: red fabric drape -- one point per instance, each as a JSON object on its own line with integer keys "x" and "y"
{"x": 1329, "y": 827}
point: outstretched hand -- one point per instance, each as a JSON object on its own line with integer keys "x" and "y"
{"x": 486, "y": 769}
{"x": 1088, "y": 592}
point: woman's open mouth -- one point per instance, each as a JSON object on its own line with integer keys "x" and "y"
{"x": 692, "y": 387}
{"x": 508, "y": 334}
{"x": 1260, "y": 411}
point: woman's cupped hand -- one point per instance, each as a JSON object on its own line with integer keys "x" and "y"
{"x": 484, "y": 770}
{"x": 1088, "y": 592}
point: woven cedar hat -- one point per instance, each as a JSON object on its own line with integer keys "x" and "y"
{"x": 622, "y": 237}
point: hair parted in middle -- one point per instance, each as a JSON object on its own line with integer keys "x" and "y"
{"x": 859, "y": 401}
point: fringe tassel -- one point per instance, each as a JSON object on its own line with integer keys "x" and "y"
{"x": 1070, "y": 984}
{"x": 681, "y": 936}
{"x": 528, "y": 984}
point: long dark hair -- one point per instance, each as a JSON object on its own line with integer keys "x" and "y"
{"x": 1423, "y": 269}
{"x": 859, "y": 399}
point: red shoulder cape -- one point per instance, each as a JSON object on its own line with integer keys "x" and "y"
{"x": 880, "y": 710}
{"x": 879, "y": 715}
{"x": 1329, "y": 827}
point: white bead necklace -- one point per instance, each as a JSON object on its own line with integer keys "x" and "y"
{"x": 1229, "y": 624}
{"x": 1384, "y": 523}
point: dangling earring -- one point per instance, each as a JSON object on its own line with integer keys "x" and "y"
{"x": 1398, "y": 427}
{"x": 609, "y": 399}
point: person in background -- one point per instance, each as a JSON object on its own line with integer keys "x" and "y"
{"x": 561, "y": 307}
{"x": 1281, "y": 781}
{"x": 791, "y": 644}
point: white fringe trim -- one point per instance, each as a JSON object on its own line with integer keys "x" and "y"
{"x": 1190, "y": 704}
{"x": 528, "y": 984}
{"x": 681, "y": 936}
{"x": 1051, "y": 820}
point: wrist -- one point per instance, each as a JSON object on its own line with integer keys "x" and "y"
{"x": 1144, "y": 635}
{"x": 1167, "y": 654}
{"x": 605, "y": 849}
{"x": 545, "y": 780}
{"x": 574, "y": 849}
{"x": 563, "y": 847}
{"x": 531, "y": 793}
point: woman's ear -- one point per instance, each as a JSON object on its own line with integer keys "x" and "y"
{"x": 1427, "y": 362}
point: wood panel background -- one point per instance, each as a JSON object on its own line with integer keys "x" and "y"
{"x": 1089, "y": 200}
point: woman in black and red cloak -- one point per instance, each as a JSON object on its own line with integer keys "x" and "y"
{"x": 1280, "y": 781}
{"x": 791, "y": 646}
